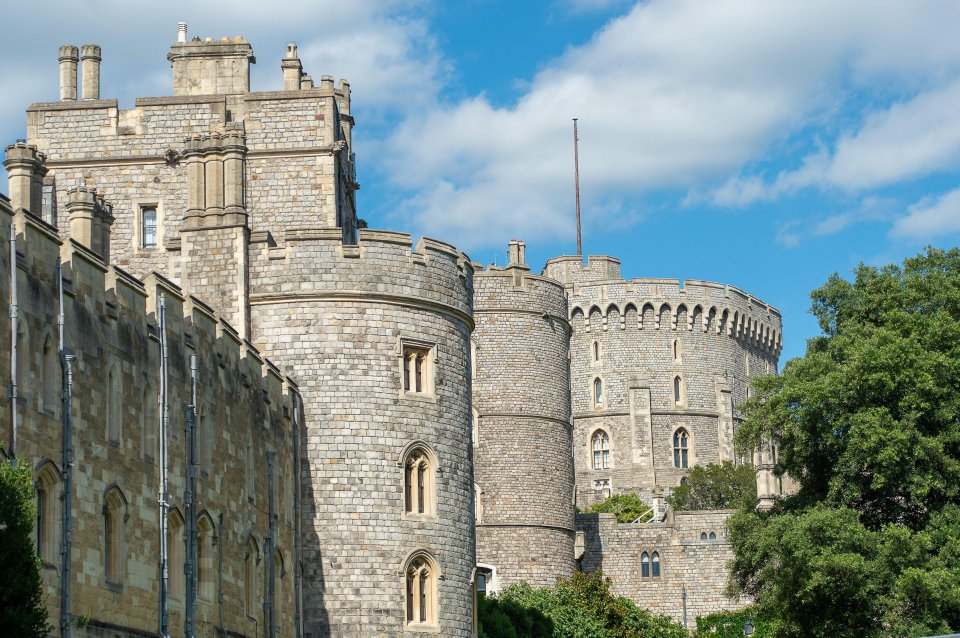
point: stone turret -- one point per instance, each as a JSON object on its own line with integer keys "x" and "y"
{"x": 211, "y": 67}
{"x": 522, "y": 434}
{"x": 25, "y": 172}
{"x": 90, "y": 219}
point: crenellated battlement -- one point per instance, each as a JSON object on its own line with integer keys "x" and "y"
{"x": 513, "y": 287}
{"x": 598, "y": 294}
{"x": 315, "y": 263}
{"x": 111, "y": 293}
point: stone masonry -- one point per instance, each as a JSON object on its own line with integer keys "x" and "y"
{"x": 332, "y": 359}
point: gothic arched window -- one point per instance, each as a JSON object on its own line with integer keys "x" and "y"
{"x": 681, "y": 445}
{"x": 420, "y": 577}
{"x": 645, "y": 565}
{"x": 419, "y": 469}
{"x": 600, "y": 445}
{"x": 598, "y": 391}
{"x": 655, "y": 564}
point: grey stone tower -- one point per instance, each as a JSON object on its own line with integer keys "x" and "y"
{"x": 524, "y": 468}
{"x": 658, "y": 367}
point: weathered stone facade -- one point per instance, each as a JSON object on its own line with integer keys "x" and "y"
{"x": 245, "y": 407}
{"x": 395, "y": 373}
{"x": 524, "y": 469}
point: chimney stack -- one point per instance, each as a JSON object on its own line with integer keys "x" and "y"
{"x": 68, "y": 71}
{"x": 90, "y": 61}
{"x": 181, "y": 32}
{"x": 292, "y": 68}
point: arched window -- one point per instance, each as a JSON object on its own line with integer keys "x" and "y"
{"x": 681, "y": 445}
{"x": 598, "y": 391}
{"x": 114, "y": 520}
{"x": 703, "y": 536}
{"x": 251, "y": 559}
{"x": 655, "y": 564}
{"x": 49, "y": 379}
{"x": 713, "y": 536}
{"x": 419, "y": 469}
{"x": 48, "y": 512}
{"x": 114, "y": 404}
{"x": 420, "y": 577}
{"x": 596, "y": 352}
{"x": 677, "y": 351}
{"x": 205, "y": 543}
{"x": 149, "y": 421}
{"x": 175, "y": 553}
{"x": 601, "y": 450}
{"x": 678, "y": 390}
{"x": 645, "y": 565}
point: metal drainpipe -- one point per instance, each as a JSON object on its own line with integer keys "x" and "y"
{"x": 268, "y": 603}
{"x": 66, "y": 396}
{"x": 163, "y": 495}
{"x": 14, "y": 319}
{"x": 297, "y": 568}
{"x": 189, "y": 502}
{"x": 223, "y": 631}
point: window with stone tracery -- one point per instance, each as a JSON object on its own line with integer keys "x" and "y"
{"x": 421, "y": 592}
{"x": 418, "y": 482}
{"x": 601, "y": 450}
{"x": 681, "y": 445}
{"x": 417, "y": 371}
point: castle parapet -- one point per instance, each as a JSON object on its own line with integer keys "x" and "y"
{"x": 315, "y": 264}
{"x": 203, "y": 67}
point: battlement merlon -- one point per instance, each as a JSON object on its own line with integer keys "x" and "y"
{"x": 570, "y": 269}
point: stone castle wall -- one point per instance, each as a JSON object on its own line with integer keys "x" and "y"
{"x": 637, "y": 337}
{"x": 524, "y": 468}
{"x": 132, "y": 157}
{"x": 245, "y": 406}
{"x": 689, "y": 563}
{"x": 337, "y": 318}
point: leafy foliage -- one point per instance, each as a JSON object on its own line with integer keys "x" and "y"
{"x": 729, "y": 624}
{"x": 22, "y": 612}
{"x": 627, "y": 507}
{"x": 581, "y": 607}
{"x": 716, "y": 486}
{"x": 869, "y": 427}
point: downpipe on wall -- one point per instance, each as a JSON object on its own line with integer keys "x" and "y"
{"x": 66, "y": 533}
{"x": 163, "y": 400}
{"x": 190, "y": 504}
{"x": 14, "y": 320}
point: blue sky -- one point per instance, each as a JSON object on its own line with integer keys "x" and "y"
{"x": 761, "y": 144}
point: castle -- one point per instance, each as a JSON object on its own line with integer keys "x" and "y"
{"x": 250, "y": 415}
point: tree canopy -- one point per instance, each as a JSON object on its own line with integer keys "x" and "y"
{"x": 581, "y": 607}
{"x": 868, "y": 425}
{"x": 716, "y": 486}
{"x": 22, "y": 612}
{"x": 627, "y": 507}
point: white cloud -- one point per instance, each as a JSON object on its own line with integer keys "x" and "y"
{"x": 930, "y": 218}
{"x": 678, "y": 96}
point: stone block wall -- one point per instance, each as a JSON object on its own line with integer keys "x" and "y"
{"x": 689, "y": 564}
{"x": 337, "y": 317}
{"x": 524, "y": 467}
{"x": 637, "y": 337}
{"x": 245, "y": 407}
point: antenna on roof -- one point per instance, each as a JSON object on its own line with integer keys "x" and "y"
{"x": 576, "y": 176}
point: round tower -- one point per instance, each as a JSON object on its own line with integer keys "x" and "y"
{"x": 522, "y": 436}
{"x": 658, "y": 368}
{"x": 378, "y": 337}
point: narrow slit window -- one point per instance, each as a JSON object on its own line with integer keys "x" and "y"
{"x": 598, "y": 391}
{"x": 677, "y": 390}
{"x": 645, "y": 565}
{"x": 655, "y": 563}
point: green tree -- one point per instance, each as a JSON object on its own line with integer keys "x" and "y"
{"x": 868, "y": 424}
{"x": 729, "y": 624}
{"x": 22, "y": 612}
{"x": 584, "y": 607}
{"x": 627, "y": 507}
{"x": 716, "y": 487}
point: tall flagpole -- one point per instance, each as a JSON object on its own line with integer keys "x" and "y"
{"x": 576, "y": 174}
